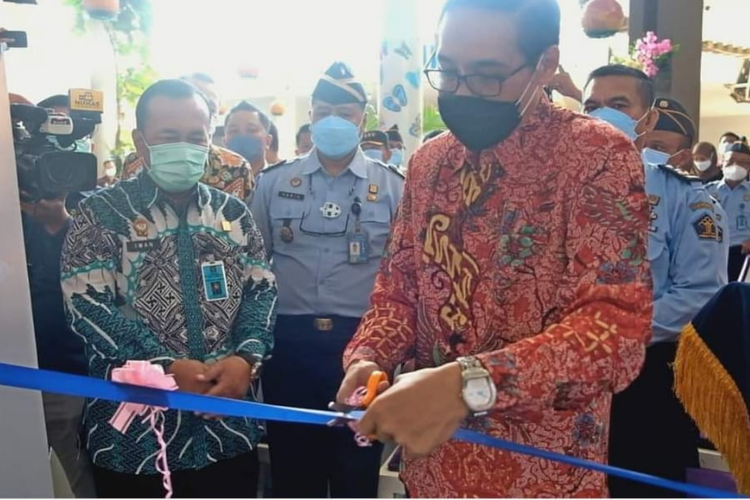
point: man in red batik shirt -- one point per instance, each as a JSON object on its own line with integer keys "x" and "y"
{"x": 516, "y": 274}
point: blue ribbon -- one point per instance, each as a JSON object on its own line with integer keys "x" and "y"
{"x": 86, "y": 387}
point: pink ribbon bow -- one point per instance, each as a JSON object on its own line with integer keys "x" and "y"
{"x": 145, "y": 374}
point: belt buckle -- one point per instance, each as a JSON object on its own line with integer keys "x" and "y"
{"x": 323, "y": 324}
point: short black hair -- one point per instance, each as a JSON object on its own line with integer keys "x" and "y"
{"x": 707, "y": 145}
{"x": 57, "y": 101}
{"x": 246, "y": 106}
{"x": 538, "y": 21}
{"x": 201, "y": 77}
{"x": 730, "y": 134}
{"x": 304, "y": 129}
{"x": 645, "y": 84}
{"x": 273, "y": 131}
{"x": 172, "y": 88}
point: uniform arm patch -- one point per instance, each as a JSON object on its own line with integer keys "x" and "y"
{"x": 707, "y": 229}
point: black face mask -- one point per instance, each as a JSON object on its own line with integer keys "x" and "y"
{"x": 478, "y": 123}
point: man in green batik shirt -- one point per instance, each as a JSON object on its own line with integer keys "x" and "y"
{"x": 165, "y": 269}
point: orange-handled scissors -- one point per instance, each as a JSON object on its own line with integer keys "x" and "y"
{"x": 371, "y": 390}
{"x": 361, "y": 399}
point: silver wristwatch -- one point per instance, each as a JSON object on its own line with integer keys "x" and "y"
{"x": 479, "y": 391}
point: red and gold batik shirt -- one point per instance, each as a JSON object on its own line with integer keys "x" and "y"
{"x": 531, "y": 256}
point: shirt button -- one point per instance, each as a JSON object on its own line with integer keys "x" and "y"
{"x": 326, "y": 250}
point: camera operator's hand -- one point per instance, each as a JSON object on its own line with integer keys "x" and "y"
{"x": 50, "y": 213}
{"x": 5, "y": 40}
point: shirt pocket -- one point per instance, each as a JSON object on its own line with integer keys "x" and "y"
{"x": 286, "y": 221}
{"x": 376, "y": 222}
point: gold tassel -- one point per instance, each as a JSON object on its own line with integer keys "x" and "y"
{"x": 713, "y": 400}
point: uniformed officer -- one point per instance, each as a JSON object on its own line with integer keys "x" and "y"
{"x": 687, "y": 249}
{"x": 733, "y": 192}
{"x": 375, "y": 145}
{"x": 396, "y": 143}
{"x": 325, "y": 218}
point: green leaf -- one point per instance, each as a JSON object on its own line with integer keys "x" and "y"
{"x": 431, "y": 119}
{"x": 129, "y": 36}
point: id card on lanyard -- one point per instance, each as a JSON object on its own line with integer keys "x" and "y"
{"x": 214, "y": 281}
{"x": 358, "y": 241}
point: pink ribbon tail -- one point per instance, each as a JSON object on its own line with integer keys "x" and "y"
{"x": 156, "y": 421}
{"x": 124, "y": 416}
{"x": 145, "y": 374}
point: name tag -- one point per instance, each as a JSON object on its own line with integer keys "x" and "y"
{"x": 359, "y": 248}
{"x": 291, "y": 196}
{"x": 214, "y": 281}
{"x": 142, "y": 246}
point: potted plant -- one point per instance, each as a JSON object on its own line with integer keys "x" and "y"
{"x": 653, "y": 56}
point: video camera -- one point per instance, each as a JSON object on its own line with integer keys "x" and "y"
{"x": 45, "y": 143}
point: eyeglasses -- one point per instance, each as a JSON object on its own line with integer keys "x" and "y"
{"x": 337, "y": 234}
{"x": 478, "y": 84}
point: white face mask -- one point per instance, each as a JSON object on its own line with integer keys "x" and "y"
{"x": 110, "y": 171}
{"x": 702, "y": 166}
{"x": 735, "y": 173}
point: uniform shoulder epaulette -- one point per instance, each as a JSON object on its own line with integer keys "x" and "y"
{"x": 679, "y": 174}
{"x": 277, "y": 165}
{"x": 392, "y": 168}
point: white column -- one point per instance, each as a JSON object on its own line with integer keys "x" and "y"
{"x": 400, "y": 99}
{"x": 104, "y": 78}
{"x": 24, "y": 460}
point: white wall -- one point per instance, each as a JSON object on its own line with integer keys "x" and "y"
{"x": 24, "y": 462}
{"x": 712, "y": 127}
{"x": 55, "y": 60}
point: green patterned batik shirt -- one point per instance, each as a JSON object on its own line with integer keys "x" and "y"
{"x": 133, "y": 285}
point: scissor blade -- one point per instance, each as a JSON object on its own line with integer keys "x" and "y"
{"x": 341, "y": 408}
{"x": 344, "y": 414}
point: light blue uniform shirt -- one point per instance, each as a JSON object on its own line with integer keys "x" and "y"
{"x": 736, "y": 203}
{"x": 688, "y": 249}
{"x": 313, "y": 273}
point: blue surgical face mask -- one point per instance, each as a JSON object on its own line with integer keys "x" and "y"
{"x": 177, "y": 167}
{"x": 617, "y": 119}
{"x": 374, "y": 154}
{"x": 654, "y": 157}
{"x": 335, "y": 137}
{"x": 397, "y": 157}
{"x": 251, "y": 147}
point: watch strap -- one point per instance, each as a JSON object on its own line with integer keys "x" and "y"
{"x": 473, "y": 369}
{"x": 254, "y": 360}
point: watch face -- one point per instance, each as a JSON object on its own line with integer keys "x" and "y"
{"x": 478, "y": 394}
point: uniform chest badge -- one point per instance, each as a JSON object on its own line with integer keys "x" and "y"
{"x": 286, "y": 234}
{"x": 141, "y": 228}
{"x": 330, "y": 210}
{"x": 295, "y": 182}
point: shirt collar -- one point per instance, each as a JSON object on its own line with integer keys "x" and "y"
{"x": 744, "y": 185}
{"x": 358, "y": 165}
{"x": 151, "y": 192}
